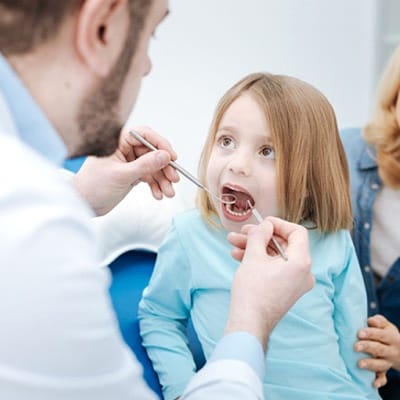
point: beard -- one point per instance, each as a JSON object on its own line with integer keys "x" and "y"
{"x": 99, "y": 122}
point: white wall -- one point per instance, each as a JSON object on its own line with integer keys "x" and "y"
{"x": 205, "y": 46}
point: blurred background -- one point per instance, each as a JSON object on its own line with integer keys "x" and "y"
{"x": 205, "y": 46}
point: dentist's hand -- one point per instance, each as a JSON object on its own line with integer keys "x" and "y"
{"x": 105, "y": 181}
{"x": 266, "y": 286}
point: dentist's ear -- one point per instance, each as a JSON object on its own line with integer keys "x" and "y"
{"x": 100, "y": 33}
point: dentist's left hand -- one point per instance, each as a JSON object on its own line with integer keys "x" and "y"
{"x": 104, "y": 181}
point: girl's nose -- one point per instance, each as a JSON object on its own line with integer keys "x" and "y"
{"x": 240, "y": 164}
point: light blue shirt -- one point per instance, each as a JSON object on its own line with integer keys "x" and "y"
{"x": 33, "y": 127}
{"x": 310, "y": 353}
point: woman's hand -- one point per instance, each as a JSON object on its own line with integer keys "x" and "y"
{"x": 381, "y": 339}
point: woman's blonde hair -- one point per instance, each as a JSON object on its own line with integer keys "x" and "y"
{"x": 383, "y": 130}
{"x": 312, "y": 172}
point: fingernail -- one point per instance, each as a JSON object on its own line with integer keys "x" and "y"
{"x": 359, "y": 347}
{"x": 162, "y": 158}
{"x": 362, "y": 334}
{"x": 362, "y": 364}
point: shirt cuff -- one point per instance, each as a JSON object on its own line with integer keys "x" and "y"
{"x": 241, "y": 346}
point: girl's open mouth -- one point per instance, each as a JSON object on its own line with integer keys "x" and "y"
{"x": 239, "y": 211}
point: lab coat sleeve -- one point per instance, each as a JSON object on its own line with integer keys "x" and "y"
{"x": 225, "y": 380}
{"x": 350, "y": 305}
{"x": 163, "y": 314}
{"x": 59, "y": 337}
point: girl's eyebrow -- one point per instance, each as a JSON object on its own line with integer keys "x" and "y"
{"x": 228, "y": 128}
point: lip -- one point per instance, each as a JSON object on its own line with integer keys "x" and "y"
{"x": 227, "y": 211}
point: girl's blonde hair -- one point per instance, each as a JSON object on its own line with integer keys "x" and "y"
{"x": 312, "y": 172}
{"x": 383, "y": 130}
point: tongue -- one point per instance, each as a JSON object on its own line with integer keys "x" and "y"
{"x": 241, "y": 200}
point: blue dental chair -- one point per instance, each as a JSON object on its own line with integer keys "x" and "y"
{"x": 131, "y": 273}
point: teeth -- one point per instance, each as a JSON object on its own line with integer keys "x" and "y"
{"x": 236, "y": 213}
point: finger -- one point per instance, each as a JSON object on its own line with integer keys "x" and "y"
{"x": 295, "y": 235}
{"x": 378, "y": 321}
{"x": 237, "y": 254}
{"x": 384, "y": 336}
{"x": 166, "y": 187}
{"x": 155, "y": 190}
{"x": 246, "y": 228}
{"x": 375, "y": 365}
{"x": 237, "y": 239}
{"x": 375, "y": 349}
{"x": 151, "y": 136}
{"x": 148, "y": 164}
{"x": 257, "y": 240}
{"x": 380, "y": 380}
{"x": 239, "y": 242}
{"x": 171, "y": 174}
{"x": 163, "y": 183}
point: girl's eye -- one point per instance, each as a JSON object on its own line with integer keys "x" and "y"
{"x": 226, "y": 142}
{"x": 268, "y": 152}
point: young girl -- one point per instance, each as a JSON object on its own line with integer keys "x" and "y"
{"x": 274, "y": 143}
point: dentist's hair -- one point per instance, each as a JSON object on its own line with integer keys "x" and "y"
{"x": 312, "y": 172}
{"x": 27, "y": 24}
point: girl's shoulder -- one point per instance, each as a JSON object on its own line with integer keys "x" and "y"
{"x": 186, "y": 219}
{"x": 334, "y": 241}
{"x": 191, "y": 223}
{"x": 333, "y": 248}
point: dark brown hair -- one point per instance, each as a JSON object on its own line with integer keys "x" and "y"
{"x": 25, "y": 24}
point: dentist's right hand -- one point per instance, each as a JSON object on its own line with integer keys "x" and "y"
{"x": 266, "y": 286}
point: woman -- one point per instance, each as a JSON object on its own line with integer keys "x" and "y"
{"x": 374, "y": 158}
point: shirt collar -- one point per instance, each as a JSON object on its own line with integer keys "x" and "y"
{"x": 33, "y": 127}
{"x": 367, "y": 159}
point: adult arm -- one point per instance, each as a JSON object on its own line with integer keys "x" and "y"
{"x": 60, "y": 339}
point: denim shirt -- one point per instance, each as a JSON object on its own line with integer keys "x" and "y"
{"x": 383, "y": 298}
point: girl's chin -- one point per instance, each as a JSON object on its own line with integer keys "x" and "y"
{"x": 232, "y": 226}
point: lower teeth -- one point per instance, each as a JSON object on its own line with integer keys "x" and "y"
{"x": 236, "y": 213}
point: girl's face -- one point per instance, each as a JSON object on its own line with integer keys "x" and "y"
{"x": 242, "y": 162}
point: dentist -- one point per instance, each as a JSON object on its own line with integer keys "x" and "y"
{"x": 70, "y": 72}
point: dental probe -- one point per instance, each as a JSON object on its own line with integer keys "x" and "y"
{"x": 231, "y": 197}
{"x": 260, "y": 219}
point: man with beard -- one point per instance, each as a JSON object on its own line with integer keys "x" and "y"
{"x": 69, "y": 75}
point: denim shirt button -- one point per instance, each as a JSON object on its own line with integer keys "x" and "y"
{"x": 367, "y": 225}
{"x": 372, "y": 305}
{"x": 374, "y": 186}
{"x": 367, "y": 268}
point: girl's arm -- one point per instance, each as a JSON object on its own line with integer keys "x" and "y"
{"x": 350, "y": 314}
{"x": 163, "y": 313}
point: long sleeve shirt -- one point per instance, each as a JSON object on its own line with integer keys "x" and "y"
{"x": 310, "y": 353}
